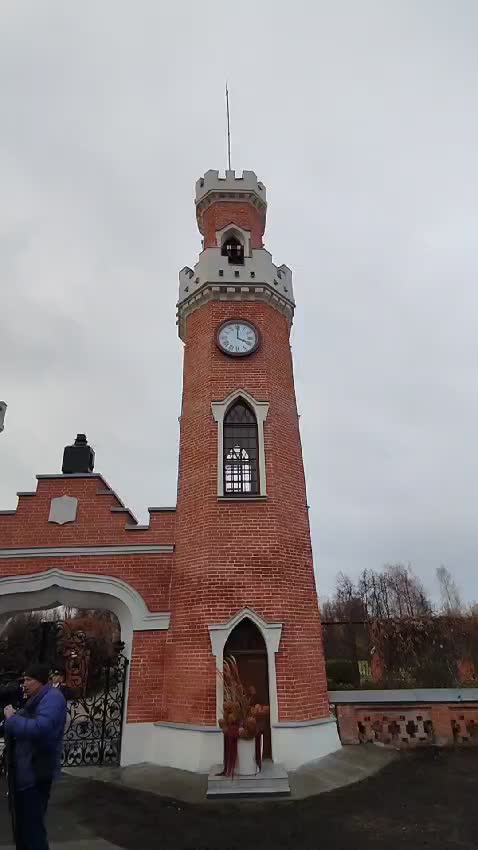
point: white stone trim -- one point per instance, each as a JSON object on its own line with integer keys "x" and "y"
{"x": 84, "y": 590}
{"x": 219, "y": 410}
{"x": 186, "y": 747}
{"x": 212, "y": 269}
{"x": 295, "y": 745}
{"x": 136, "y": 743}
{"x": 246, "y": 183}
{"x": 66, "y": 551}
{"x": 271, "y": 632}
{"x": 244, "y": 236}
{"x": 53, "y": 587}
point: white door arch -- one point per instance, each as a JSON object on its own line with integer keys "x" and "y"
{"x": 271, "y": 632}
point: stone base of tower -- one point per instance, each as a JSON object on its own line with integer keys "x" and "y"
{"x": 186, "y": 746}
{"x": 294, "y": 744}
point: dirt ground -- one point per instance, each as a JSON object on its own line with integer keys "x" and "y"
{"x": 428, "y": 799}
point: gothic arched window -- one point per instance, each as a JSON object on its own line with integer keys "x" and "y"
{"x": 233, "y": 249}
{"x": 240, "y": 445}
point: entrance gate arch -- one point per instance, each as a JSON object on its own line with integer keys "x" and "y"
{"x": 93, "y": 734}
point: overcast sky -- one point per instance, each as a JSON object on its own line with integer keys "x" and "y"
{"x": 361, "y": 119}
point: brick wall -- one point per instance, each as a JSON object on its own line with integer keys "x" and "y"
{"x": 96, "y": 525}
{"x": 411, "y": 725}
{"x": 222, "y": 213}
{"x": 233, "y": 554}
{"x": 96, "y": 522}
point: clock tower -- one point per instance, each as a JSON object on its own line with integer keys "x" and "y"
{"x": 243, "y": 580}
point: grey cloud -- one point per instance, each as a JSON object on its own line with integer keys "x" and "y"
{"x": 361, "y": 120}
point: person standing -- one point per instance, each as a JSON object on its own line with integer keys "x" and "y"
{"x": 34, "y": 739}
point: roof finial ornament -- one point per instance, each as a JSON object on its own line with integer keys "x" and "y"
{"x": 228, "y": 129}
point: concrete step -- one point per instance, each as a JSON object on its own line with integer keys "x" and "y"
{"x": 271, "y": 781}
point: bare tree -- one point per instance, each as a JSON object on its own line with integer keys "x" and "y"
{"x": 393, "y": 592}
{"x": 406, "y": 592}
{"x": 451, "y": 601}
{"x": 346, "y": 604}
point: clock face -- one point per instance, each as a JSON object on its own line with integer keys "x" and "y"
{"x": 237, "y": 338}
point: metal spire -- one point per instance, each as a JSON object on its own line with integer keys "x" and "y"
{"x": 228, "y": 129}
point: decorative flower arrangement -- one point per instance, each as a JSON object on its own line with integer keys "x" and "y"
{"x": 243, "y": 719}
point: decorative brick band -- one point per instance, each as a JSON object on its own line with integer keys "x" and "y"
{"x": 409, "y": 726}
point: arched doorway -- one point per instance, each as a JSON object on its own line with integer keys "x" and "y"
{"x": 248, "y": 647}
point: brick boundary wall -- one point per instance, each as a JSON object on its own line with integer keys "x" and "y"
{"x": 409, "y": 725}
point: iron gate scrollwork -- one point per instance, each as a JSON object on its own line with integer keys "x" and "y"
{"x": 92, "y": 677}
{"x": 94, "y": 723}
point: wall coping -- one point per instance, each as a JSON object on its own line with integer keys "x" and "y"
{"x": 405, "y": 695}
{"x": 299, "y": 724}
{"x": 187, "y": 727}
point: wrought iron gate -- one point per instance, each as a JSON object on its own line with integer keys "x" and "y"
{"x": 94, "y": 722}
{"x": 95, "y": 693}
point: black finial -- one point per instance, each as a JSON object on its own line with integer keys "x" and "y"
{"x": 78, "y": 458}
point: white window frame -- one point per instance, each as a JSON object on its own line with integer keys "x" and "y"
{"x": 260, "y": 409}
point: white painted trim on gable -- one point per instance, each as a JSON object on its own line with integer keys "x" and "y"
{"x": 271, "y": 632}
{"x": 219, "y": 410}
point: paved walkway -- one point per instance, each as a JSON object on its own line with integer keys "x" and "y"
{"x": 348, "y": 765}
{"x": 66, "y": 832}
{"x": 425, "y": 799}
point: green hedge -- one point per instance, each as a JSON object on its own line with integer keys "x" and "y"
{"x": 341, "y": 672}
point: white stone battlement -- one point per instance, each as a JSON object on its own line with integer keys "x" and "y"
{"x": 257, "y": 271}
{"x": 230, "y": 183}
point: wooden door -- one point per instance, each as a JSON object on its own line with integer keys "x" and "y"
{"x": 253, "y": 670}
{"x": 247, "y": 646}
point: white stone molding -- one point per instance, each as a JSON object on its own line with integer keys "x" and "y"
{"x": 80, "y": 551}
{"x": 82, "y": 590}
{"x": 219, "y": 410}
{"x": 184, "y": 746}
{"x": 242, "y": 235}
{"x": 235, "y": 185}
{"x": 295, "y": 744}
{"x": 271, "y": 632}
{"x": 257, "y": 272}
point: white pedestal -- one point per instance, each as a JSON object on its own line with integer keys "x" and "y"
{"x": 246, "y": 758}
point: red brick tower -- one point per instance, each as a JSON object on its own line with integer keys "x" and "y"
{"x": 243, "y": 576}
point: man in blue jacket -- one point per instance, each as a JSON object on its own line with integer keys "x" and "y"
{"x": 34, "y": 738}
